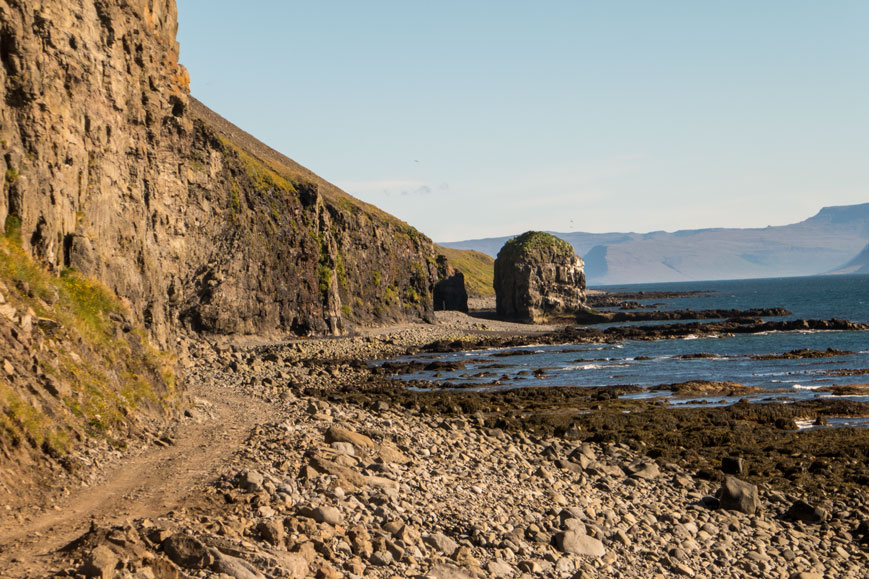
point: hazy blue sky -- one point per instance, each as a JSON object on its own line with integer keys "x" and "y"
{"x": 480, "y": 118}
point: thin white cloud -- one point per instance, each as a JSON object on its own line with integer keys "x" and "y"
{"x": 389, "y": 187}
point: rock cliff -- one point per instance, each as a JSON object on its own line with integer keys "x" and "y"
{"x": 112, "y": 169}
{"x": 538, "y": 277}
{"x": 449, "y": 292}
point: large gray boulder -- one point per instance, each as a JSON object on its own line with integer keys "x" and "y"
{"x": 578, "y": 543}
{"x": 738, "y": 495}
{"x": 538, "y": 278}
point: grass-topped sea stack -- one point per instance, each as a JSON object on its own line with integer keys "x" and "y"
{"x": 538, "y": 277}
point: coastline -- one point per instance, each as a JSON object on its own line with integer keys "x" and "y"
{"x": 336, "y": 471}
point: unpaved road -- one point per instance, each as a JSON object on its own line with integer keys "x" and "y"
{"x": 150, "y": 484}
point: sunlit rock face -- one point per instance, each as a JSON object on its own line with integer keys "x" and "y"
{"x": 110, "y": 167}
{"x": 538, "y": 278}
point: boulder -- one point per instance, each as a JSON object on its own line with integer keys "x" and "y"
{"x": 500, "y": 568}
{"x": 647, "y": 470}
{"x": 579, "y": 544}
{"x": 101, "y": 562}
{"x": 732, "y": 465}
{"x": 442, "y": 570}
{"x": 251, "y": 481}
{"x": 738, "y": 495}
{"x": 338, "y": 434}
{"x": 187, "y": 552}
{"x": 806, "y": 513}
{"x": 441, "y": 543}
{"x": 271, "y": 532}
{"x": 538, "y": 277}
{"x": 234, "y": 567}
{"x": 324, "y": 514}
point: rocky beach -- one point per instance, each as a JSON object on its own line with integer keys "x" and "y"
{"x": 330, "y": 470}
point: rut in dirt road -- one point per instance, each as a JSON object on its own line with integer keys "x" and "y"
{"x": 146, "y": 485}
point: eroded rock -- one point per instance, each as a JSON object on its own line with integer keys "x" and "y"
{"x": 538, "y": 277}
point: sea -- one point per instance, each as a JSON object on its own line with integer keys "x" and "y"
{"x": 655, "y": 363}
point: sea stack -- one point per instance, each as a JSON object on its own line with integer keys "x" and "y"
{"x": 538, "y": 278}
{"x": 449, "y": 292}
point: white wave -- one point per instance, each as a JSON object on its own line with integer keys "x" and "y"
{"x": 801, "y": 387}
{"x": 690, "y": 337}
{"x": 803, "y": 424}
{"x": 583, "y": 367}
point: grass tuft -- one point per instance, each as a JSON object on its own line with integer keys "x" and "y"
{"x": 108, "y": 367}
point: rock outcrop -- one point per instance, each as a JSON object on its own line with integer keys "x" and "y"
{"x": 538, "y": 277}
{"x": 111, "y": 168}
{"x": 449, "y": 291}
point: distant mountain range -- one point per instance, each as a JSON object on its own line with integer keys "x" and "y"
{"x": 820, "y": 244}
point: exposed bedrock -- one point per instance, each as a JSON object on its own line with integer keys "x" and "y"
{"x": 110, "y": 167}
{"x": 538, "y": 278}
{"x": 449, "y": 291}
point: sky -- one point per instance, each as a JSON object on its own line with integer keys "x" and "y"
{"x": 472, "y": 119}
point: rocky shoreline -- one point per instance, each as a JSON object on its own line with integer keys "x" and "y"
{"x": 351, "y": 476}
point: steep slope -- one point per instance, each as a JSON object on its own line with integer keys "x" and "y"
{"x": 834, "y": 235}
{"x": 860, "y": 264}
{"x": 75, "y": 371}
{"x": 297, "y": 249}
{"x": 478, "y": 269}
{"x": 111, "y": 169}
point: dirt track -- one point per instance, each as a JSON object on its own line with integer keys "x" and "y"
{"x": 154, "y": 482}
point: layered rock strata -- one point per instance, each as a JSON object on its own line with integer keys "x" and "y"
{"x": 538, "y": 278}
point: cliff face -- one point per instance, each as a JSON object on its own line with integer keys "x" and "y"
{"x": 289, "y": 250}
{"x": 449, "y": 292}
{"x": 91, "y": 132}
{"x": 112, "y": 169}
{"x": 538, "y": 278}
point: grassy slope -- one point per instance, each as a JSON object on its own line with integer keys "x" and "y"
{"x": 83, "y": 369}
{"x": 286, "y": 167}
{"x": 478, "y": 269}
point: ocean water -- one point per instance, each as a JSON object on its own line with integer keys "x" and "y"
{"x": 650, "y": 364}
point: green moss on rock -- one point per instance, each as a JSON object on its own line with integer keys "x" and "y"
{"x": 535, "y": 242}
